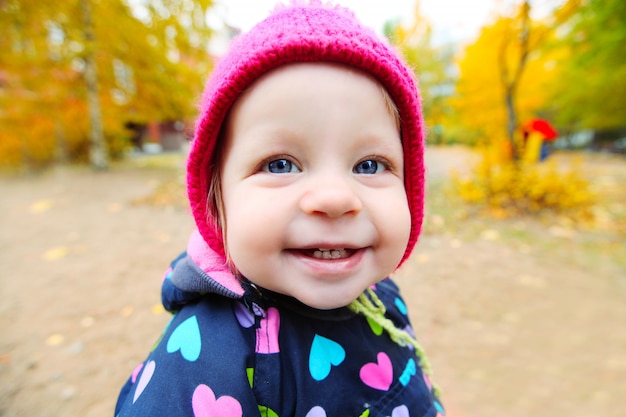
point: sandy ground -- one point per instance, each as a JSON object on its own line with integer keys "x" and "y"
{"x": 511, "y": 330}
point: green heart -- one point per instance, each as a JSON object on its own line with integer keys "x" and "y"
{"x": 376, "y": 327}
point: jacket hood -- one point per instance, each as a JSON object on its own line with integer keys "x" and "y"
{"x": 197, "y": 272}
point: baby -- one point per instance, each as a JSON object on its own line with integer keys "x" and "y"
{"x": 305, "y": 179}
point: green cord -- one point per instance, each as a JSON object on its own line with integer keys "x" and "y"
{"x": 369, "y": 305}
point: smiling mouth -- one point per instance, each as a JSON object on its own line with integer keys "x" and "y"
{"x": 321, "y": 253}
{"x": 329, "y": 263}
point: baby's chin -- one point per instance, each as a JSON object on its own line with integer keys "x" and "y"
{"x": 328, "y": 303}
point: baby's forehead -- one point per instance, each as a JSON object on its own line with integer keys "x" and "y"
{"x": 319, "y": 71}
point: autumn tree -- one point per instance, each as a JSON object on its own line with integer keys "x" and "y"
{"x": 149, "y": 63}
{"x": 505, "y": 78}
{"x": 491, "y": 75}
{"x": 506, "y": 74}
{"x": 590, "y": 92}
{"x": 432, "y": 65}
{"x": 516, "y": 42}
{"x": 98, "y": 152}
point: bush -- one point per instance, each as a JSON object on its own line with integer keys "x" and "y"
{"x": 512, "y": 189}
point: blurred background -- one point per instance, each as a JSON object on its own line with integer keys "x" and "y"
{"x": 517, "y": 287}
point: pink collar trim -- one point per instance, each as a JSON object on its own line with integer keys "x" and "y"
{"x": 212, "y": 263}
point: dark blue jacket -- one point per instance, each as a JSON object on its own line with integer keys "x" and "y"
{"x": 249, "y": 352}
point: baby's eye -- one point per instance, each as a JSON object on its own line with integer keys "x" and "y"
{"x": 369, "y": 166}
{"x": 280, "y": 166}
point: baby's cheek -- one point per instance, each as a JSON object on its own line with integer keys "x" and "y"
{"x": 399, "y": 226}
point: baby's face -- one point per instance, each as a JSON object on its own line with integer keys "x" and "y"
{"x": 312, "y": 185}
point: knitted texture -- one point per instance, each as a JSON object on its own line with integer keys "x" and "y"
{"x": 369, "y": 305}
{"x": 304, "y": 33}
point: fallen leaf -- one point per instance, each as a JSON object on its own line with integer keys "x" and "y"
{"x": 498, "y": 213}
{"x": 490, "y": 234}
{"x": 437, "y": 220}
{"x": 422, "y": 258}
{"x": 126, "y": 311}
{"x": 157, "y": 309}
{"x": 68, "y": 393}
{"x": 114, "y": 208}
{"x": 55, "y": 253}
{"x": 55, "y": 339}
{"x": 41, "y": 206}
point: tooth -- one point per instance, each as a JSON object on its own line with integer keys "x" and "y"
{"x": 323, "y": 253}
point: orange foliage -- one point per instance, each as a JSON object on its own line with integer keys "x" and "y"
{"x": 43, "y": 97}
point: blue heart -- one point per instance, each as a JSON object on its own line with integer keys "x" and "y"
{"x": 439, "y": 407}
{"x": 186, "y": 338}
{"x": 409, "y": 371}
{"x": 401, "y": 306}
{"x": 324, "y": 354}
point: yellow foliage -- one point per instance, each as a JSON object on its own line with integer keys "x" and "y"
{"x": 509, "y": 189}
{"x": 431, "y": 64}
{"x": 487, "y": 65}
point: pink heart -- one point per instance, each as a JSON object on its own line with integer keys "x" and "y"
{"x": 135, "y": 373}
{"x": 205, "y": 404}
{"x": 428, "y": 384}
{"x": 145, "y": 377}
{"x": 167, "y": 274}
{"x": 378, "y": 375}
{"x": 400, "y": 411}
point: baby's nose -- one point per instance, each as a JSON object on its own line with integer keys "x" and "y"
{"x": 333, "y": 198}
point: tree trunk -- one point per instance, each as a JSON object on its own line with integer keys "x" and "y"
{"x": 61, "y": 155}
{"x": 510, "y": 82}
{"x": 98, "y": 153}
{"x": 511, "y": 124}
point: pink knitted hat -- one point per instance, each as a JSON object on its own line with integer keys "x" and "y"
{"x": 304, "y": 33}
